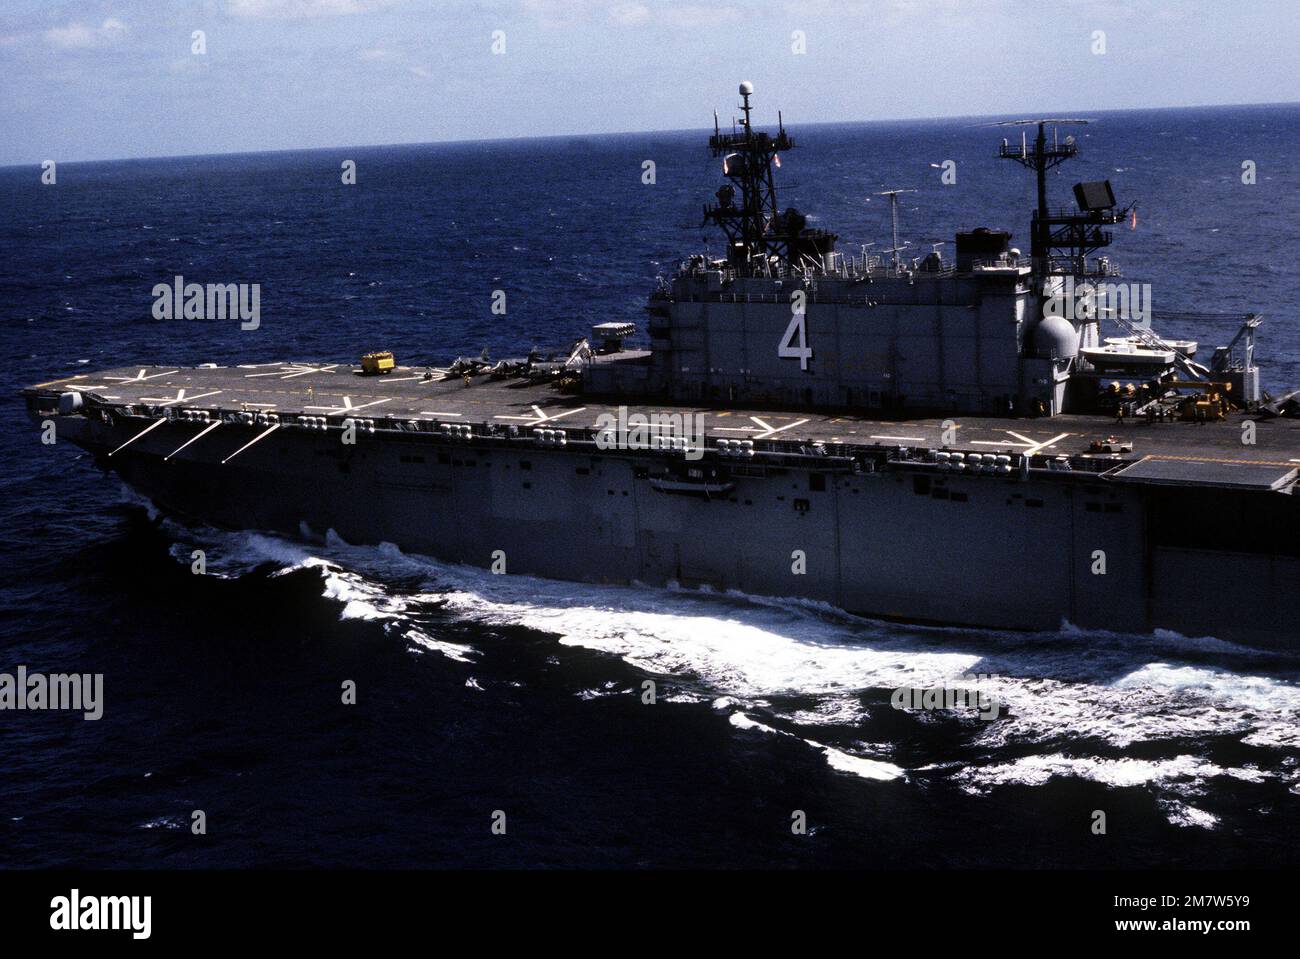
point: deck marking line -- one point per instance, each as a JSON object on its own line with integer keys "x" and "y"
{"x": 347, "y": 406}
{"x": 66, "y": 379}
{"x": 323, "y": 369}
{"x": 762, "y": 431}
{"x": 1031, "y": 446}
{"x": 288, "y": 371}
{"x": 140, "y": 377}
{"x": 539, "y": 416}
{"x": 180, "y": 398}
{"x": 773, "y": 430}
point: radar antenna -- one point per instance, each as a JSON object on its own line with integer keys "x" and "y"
{"x": 1074, "y": 234}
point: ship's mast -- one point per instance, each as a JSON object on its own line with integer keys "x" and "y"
{"x": 750, "y": 220}
{"x": 1040, "y": 160}
{"x": 1073, "y": 234}
{"x": 893, "y": 216}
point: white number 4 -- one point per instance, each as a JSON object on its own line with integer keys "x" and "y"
{"x": 794, "y": 343}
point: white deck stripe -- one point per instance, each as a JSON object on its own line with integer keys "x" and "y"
{"x": 180, "y": 398}
{"x": 773, "y": 430}
{"x": 347, "y": 406}
{"x": 539, "y": 417}
{"x": 323, "y": 369}
{"x": 140, "y": 377}
{"x": 1034, "y": 448}
{"x": 762, "y": 431}
{"x": 1028, "y": 446}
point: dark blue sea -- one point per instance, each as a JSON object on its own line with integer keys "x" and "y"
{"x": 478, "y": 693}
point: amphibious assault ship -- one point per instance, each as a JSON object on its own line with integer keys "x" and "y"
{"x": 929, "y": 440}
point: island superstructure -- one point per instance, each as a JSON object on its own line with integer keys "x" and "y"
{"x": 919, "y": 439}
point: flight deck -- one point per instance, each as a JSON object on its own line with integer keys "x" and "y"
{"x": 411, "y": 398}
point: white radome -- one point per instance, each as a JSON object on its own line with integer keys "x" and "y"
{"x": 746, "y": 88}
{"x": 1056, "y": 334}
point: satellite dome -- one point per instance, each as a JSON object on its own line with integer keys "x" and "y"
{"x": 746, "y": 88}
{"x": 1056, "y": 336}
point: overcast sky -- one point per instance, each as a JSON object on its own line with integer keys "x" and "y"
{"x": 95, "y": 79}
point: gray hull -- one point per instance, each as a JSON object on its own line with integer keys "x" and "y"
{"x": 981, "y": 550}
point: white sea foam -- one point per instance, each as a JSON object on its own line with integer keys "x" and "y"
{"x": 454, "y": 651}
{"x": 741, "y": 721}
{"x": 1181, "y": 775}
{"x": 1055, "y": 690}
{"x": 1181, "y": 814}
{"x": 859, "y": 765}
{"x": 863, "y": 766}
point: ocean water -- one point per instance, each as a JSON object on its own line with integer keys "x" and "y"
{"x": 478, "y": 693}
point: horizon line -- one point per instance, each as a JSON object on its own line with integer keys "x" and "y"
{"x": 617, "y": 133}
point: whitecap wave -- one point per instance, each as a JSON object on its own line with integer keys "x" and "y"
{"x": 773, "y": 665}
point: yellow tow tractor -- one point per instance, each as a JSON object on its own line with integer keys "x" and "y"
{"x": 372, "y": 364}
{"x": 1208, "y": 405}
